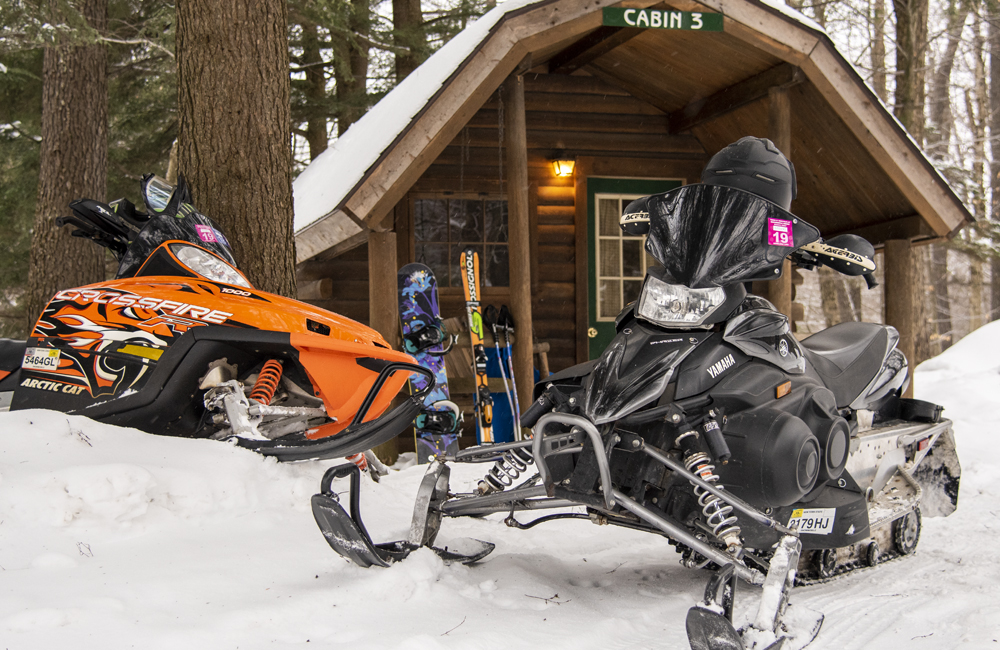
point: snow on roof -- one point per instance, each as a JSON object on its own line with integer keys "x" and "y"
{"x": 322, "y": 185}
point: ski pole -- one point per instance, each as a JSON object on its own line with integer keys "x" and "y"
{"x": 491, "y": 315}
{"x": 506, "y": 320}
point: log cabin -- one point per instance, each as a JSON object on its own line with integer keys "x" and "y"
{"x": 526, "y": 134}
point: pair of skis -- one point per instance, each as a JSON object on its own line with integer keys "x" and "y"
{"x": 497, "y": 319}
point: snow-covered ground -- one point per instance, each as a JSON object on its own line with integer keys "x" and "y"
{"x": 110, "y": 538}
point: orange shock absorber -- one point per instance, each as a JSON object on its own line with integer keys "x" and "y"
{"x": 359, "y": 460}
{"x": 267, "y": 382}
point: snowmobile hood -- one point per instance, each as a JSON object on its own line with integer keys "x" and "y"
{"x": 143, "y": 318}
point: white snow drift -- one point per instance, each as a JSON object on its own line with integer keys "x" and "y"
{"x": 111, "y": 538}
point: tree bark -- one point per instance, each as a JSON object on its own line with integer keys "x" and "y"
{"x": 911, "y": 52}
{"x": 351, "y": 66}
{"x": 407, "y": 23}
{"x": 942, "y": 296}
{"x": 993, "y": 22}
{"x": 898, "y": 297}
{"x": 73, "y": 163}
{"x": 315, "y": 90}
{"x": 878, "y": 49}
{"x": 234, "y": 146}
{"x": 828, "y": 296}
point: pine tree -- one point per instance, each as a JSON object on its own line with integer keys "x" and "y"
{"x": 234, "y": 145}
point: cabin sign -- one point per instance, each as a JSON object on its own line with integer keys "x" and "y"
{"x": 663, "y": 19}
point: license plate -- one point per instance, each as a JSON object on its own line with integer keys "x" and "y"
{"x": 41, "y": 359}
{"x": 813, "y": 521}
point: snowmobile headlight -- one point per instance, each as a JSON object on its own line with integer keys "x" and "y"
{"x": 209, "y": 266}
{"x": 674, "y": 305}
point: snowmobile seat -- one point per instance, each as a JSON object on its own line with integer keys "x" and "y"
{"x": 847, "y": 357}
{"x": 11, "y": 354}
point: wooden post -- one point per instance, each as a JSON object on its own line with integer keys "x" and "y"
{"x": 516, "y": 166}
{"x": 779, "y": 129}
{"x": 383, "y": 307}
{"x": 898, "y": 290}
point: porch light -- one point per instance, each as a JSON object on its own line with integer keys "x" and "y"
{"x": 563, "y": 168}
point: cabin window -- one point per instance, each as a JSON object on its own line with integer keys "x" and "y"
{"x": 621, "y": 259}
{"x": 444, "y": 227}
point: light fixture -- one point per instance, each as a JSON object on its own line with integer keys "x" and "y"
{"x": 563, "y": 167}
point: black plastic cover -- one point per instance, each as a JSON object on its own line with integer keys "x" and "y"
{"x": 188, "y": 225}
{"x": 634, "y": 370}
{"x": 766, "y": 334}
{"x": 707, "y": 235}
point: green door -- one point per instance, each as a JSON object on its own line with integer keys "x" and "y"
{"x": 617, "y": 262}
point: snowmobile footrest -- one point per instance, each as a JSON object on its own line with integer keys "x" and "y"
{"x": 346, "y": 533}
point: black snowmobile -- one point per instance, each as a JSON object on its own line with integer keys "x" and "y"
{"x": 757, "y": 456}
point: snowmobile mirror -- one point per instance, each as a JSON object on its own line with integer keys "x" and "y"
{"x": 847, "y": 254}
{"x": 156, "y": 193}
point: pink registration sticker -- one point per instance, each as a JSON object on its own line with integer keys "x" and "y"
{"x": 779, "y": 232}
{"x": 208, "y": 235}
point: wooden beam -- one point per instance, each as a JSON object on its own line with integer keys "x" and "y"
{"x": 584, "y": 169}
{"x": 321, "y": 289}
{"x": 783, "y": 75}
{"x": 779, "y": 130}
{"x": 519, "y": 223}
{"x": 593, "y": 45}
{"x": 898, "y": 292}
{"x": 383, "y": 307}
{"x": 382, "y": 299}
{"x": 912, "y": 228}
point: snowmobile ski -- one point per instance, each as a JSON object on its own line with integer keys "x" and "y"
{"x": 484, "y": 401}
{"x": 425, "y": 337}
{"x": 347, "y": 535}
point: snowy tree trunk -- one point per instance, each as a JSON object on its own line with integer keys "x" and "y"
{"x": 73, "y": 163}
{"x": 993, "y": 21}
{"x": 878, "y": 49}
{"x": 235, "y": 131}
{"x": 911, "y": 52}
{"x": 351, "y": 66}
{"x": 409, "y": 37}
{"x": 315, "y": 90}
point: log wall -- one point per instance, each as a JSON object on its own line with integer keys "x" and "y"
{"x": 571, "y": 116}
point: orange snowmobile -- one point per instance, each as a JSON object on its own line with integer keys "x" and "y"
{"x": 181, "y": 344}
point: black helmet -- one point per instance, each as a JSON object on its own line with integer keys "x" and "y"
{"x": 754, "y": 165}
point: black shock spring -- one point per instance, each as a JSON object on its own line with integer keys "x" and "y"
{"x": 506, "y": 470}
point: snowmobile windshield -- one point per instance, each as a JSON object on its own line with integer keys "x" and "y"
{"x": 714, "y": 236}
{"x": 187, "y": 225}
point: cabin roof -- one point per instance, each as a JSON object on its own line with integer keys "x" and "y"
{"x": 858, "y": 169}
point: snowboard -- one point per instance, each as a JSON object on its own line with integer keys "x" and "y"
{"x": 484, "y": 401}
{"x": 437, "y": 427}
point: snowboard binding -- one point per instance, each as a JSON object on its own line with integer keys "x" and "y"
{"x": 427, "y": 336}
{"x": 435, "y": 419}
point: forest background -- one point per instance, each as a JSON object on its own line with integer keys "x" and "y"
{"x": 934, "y": 63}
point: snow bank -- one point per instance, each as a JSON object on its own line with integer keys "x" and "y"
{"x": 111, "y": 538}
